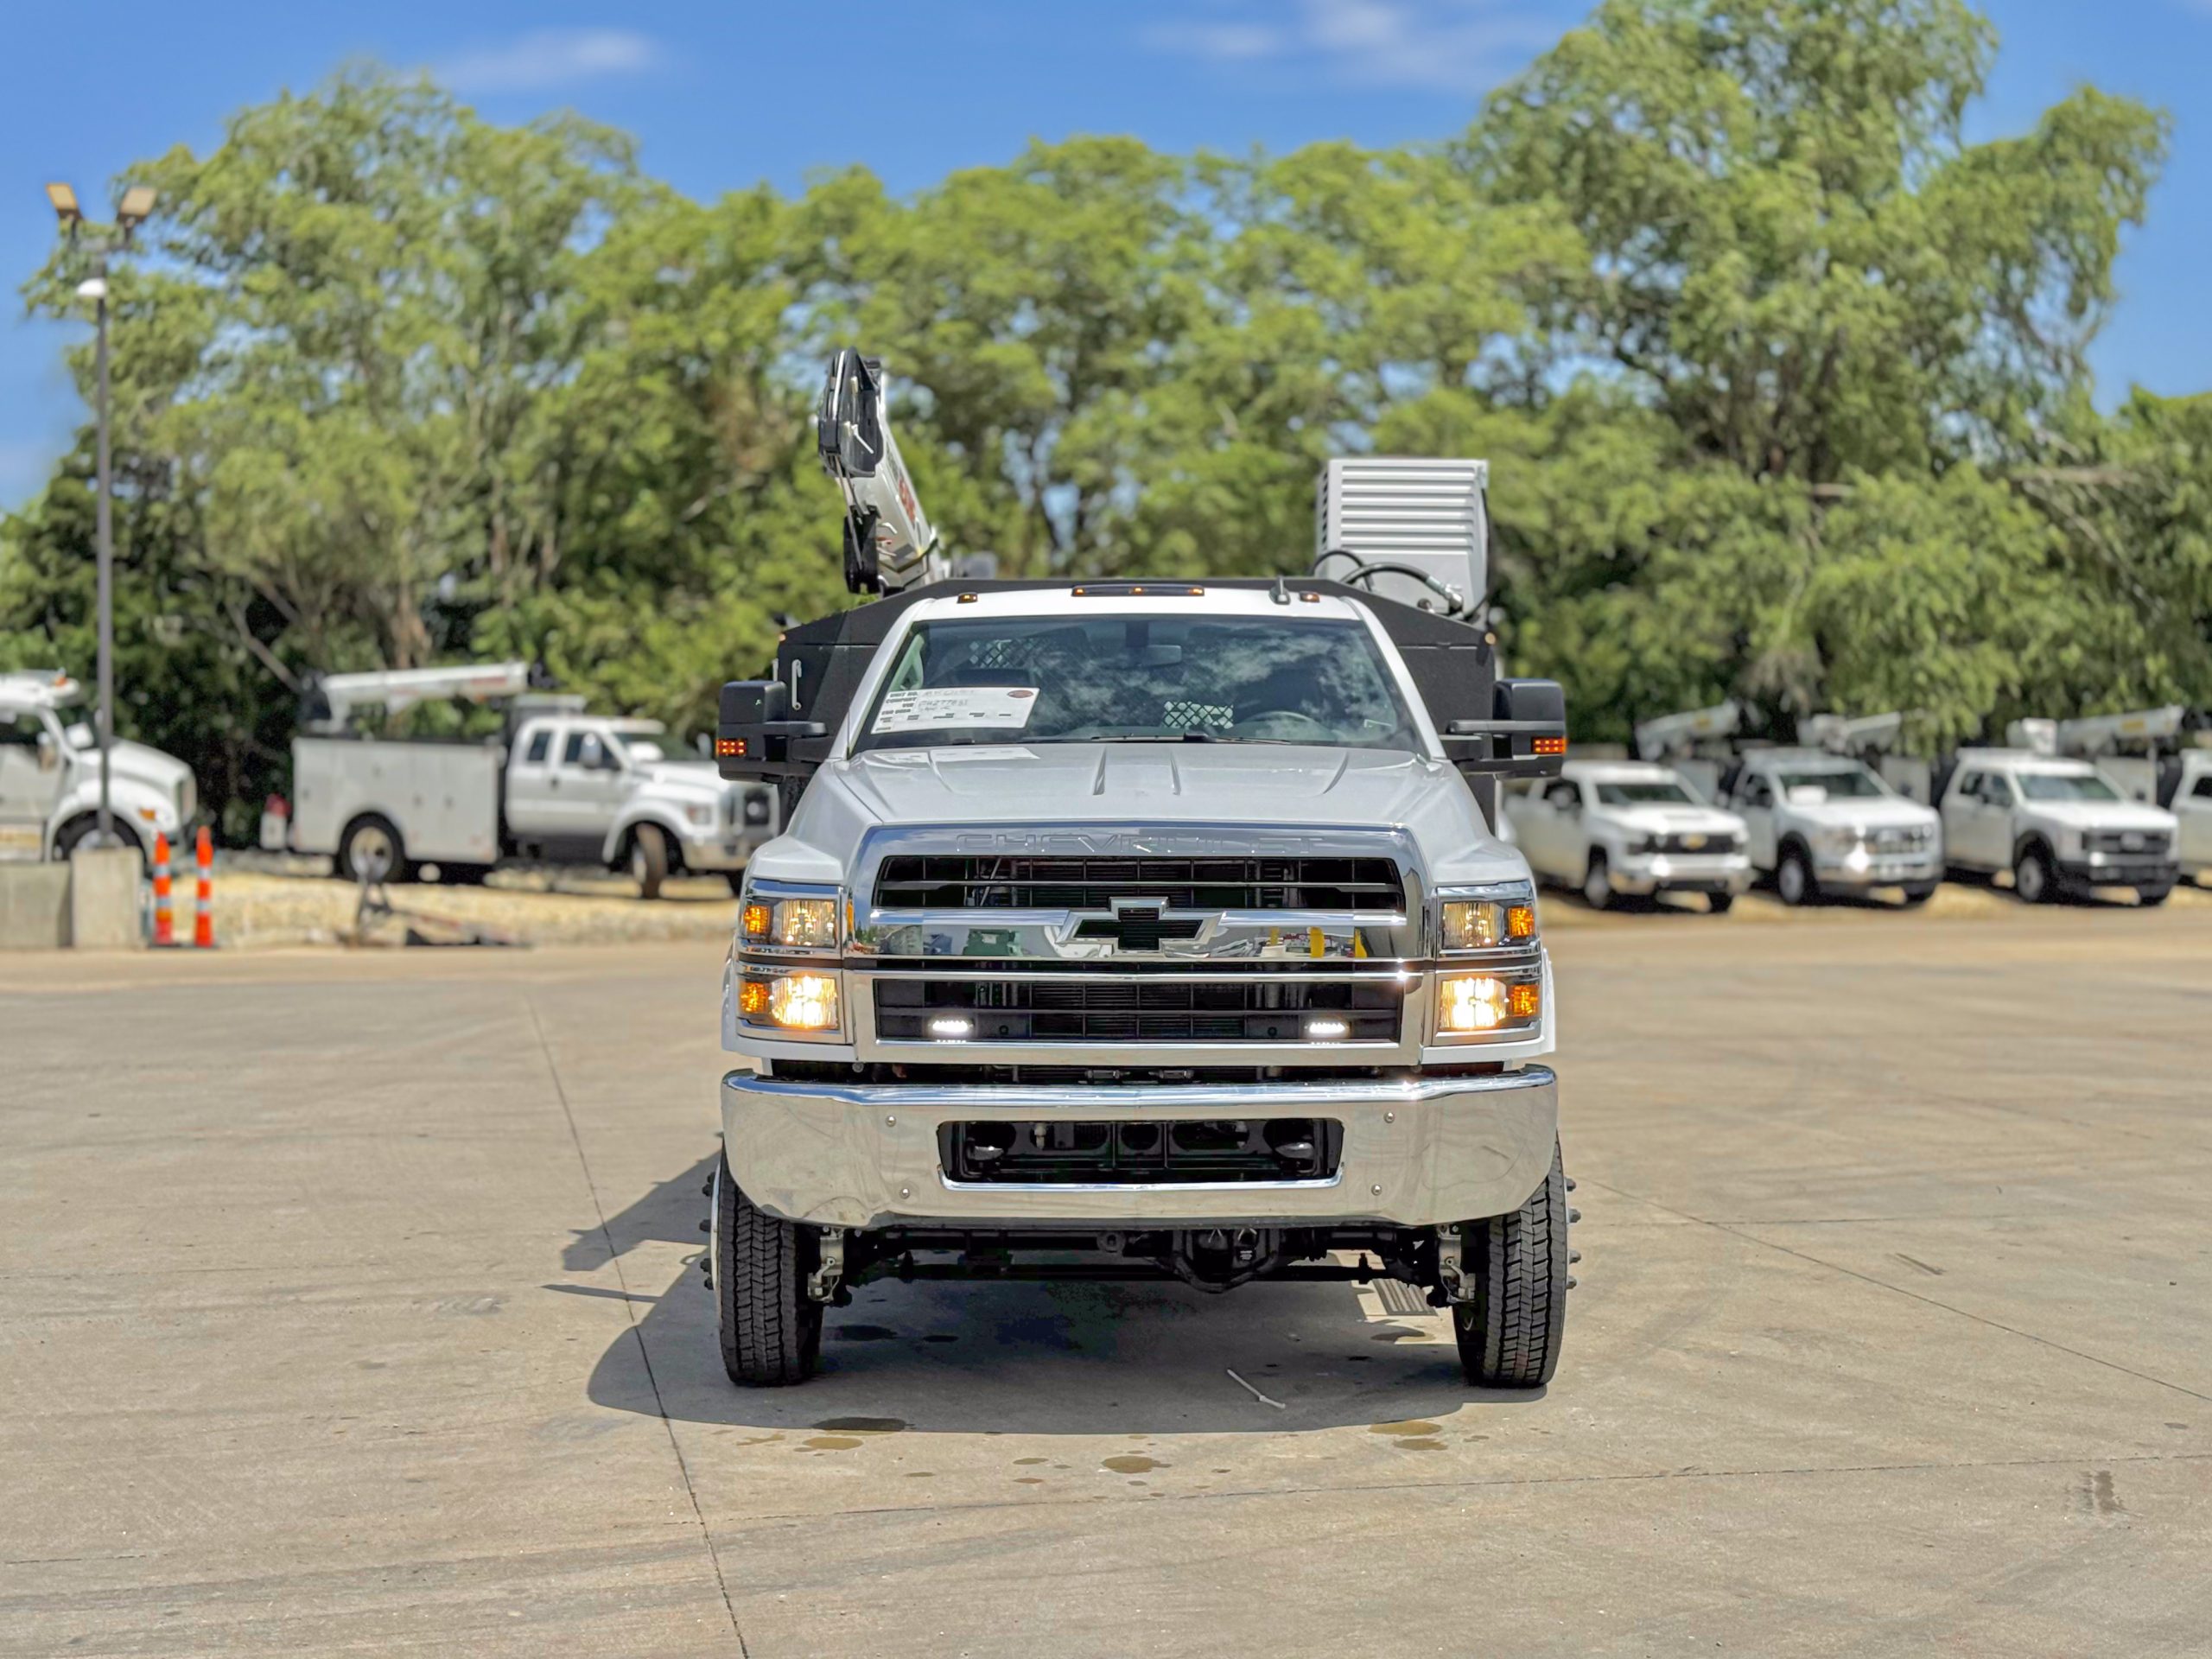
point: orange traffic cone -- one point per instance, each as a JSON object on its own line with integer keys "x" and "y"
{"x": 203, "y": 922}
{"x": 164, "y": 916}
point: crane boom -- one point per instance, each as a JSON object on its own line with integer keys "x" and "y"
{"x": 1674, "y": 735}
{"x": 336, "y": 696}
{"x": 890, "y": 544}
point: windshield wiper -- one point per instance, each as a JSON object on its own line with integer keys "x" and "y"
{"x": 1165, "y": 737}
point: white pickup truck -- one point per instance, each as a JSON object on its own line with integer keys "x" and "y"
{"x": 1825, "y": 824}
{"x": 2058, "y": 824}
{"x": 50, "y": 777}
{"x": 2185, "y": 790}
{"x": 1612, "y": 827}
{"x": 558, "y": 785}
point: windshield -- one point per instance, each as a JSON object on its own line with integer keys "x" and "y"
{"x": 1658, "y": 791}
{"x": 2065, "y": 786}
{"x": 1842, "y": 784}
{"x": 1123, "y": 678}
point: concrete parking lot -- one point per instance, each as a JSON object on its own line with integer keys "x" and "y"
{"x": 347, "y": 1305}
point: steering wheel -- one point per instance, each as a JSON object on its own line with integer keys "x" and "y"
{"x": 1320, "y": 727}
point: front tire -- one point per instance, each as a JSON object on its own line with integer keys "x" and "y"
{"x": 770, "y": 1329}
{"x": 1719, "y": 904}
{"x": 1598, "y": 883}
{"x": 1510, "y": 1333}
{"x": 1794, "y": 878}
{"x": 649, "y": 859}
{"x": 2151, "y": 898}
{"x": 1919, "y": 894}
{"x": 2033, "y": 880}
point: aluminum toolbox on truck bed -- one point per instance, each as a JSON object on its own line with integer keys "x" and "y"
{"x": 443, "y": 797}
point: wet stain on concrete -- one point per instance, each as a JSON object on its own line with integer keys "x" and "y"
{"x": 1411, "y": 1426}
{"x": 1028, "y": 1480}
{"x": 921, "y": 1474}
{"x": 831, "y": 1442}
{"x": 2097, "y": 1494}
{"x": 1131, "y": 1464}
{"x": 940, "y": 1336}
{"x": 863, "y": 1334}
{"x": 862, "y": 1424}
{"x": 1422, "y": 1444}
{"x": 1028, "y": 1461}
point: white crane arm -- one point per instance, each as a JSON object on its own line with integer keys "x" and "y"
{"x": 1674, "y": 734}
{"x": 394, "y": 689}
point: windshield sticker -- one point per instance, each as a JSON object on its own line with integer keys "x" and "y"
{"x": 947, "y": 708}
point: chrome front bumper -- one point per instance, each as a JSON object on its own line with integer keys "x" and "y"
{"x": 1650, "y": 872}
{"x": 1416, "y": 1150}
{"x": 1879, "y": 869}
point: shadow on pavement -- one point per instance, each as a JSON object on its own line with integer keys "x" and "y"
{"x": 982, "y": 1357}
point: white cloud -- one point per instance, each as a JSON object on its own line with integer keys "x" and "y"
{"x": 1449, "y": 45}
{"x": 548, "y": 59}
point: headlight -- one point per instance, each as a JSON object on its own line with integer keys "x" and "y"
{"x": 1508, "y": 919}
{"x": 792, "y": 1002}
{"x": 701, "y": 815}
{"x": 1836, "y": 840}
{"x": 1643, "y": 844}
{"x": 1474, "y": 1005}
{"x": 791, "y": 923}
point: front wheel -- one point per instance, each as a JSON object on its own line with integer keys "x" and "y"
{"x": 1719, "y": 904}
{"x": 1795, "y": 880}
{"x": 649, "y": 859}
{"x": 1509, "y": 1332}
{"x": 1598, "y": 883}
{"x": 1919, "y": 893}
{"x": 2032, "y": 879}
{"x": 770, "y": 1329}
{"x": 2151, "y": 898}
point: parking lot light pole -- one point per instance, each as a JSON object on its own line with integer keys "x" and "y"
{"x": 137, "y": 202}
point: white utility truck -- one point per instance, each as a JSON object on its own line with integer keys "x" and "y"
{"x": 2056, "y": 822}
{"x": 1820, "y": 823}
{"x": 1138, "y": 930}
{"x": 50, "y": 776}
{"x": 556, "y": 785}
{"x": 1614, "y": 827}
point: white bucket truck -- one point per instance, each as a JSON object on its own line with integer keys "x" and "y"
{"x": 50, "y": 776}
{"x": 1615, "y": 826}
{"x": 556, "y": 784}
{"x": 1822, "y": 821}
{"x": 2057, "y": 822}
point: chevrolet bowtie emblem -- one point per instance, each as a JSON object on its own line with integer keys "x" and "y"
{"x": 1137, "y": 925}
{"x": 1693, "y": 842}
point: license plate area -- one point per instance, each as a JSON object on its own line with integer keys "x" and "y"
{"x": 1141, "y": 1153}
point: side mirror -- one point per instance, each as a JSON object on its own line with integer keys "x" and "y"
{"x": 755, "y": 733}
{"x": 591, "y": 754}
{"x": 1525, "y": 736}
{"x": 50, "y": 752}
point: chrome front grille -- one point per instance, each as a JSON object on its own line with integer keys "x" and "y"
{"x": 968, "y": 881}
{"x": 2142, "y": 843}
{"x": 1693, "y": 844}
{"x": 1901, "y": 838}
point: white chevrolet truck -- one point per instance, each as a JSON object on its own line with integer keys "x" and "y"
{"x": 556, "y": 785}
{"x": 1615, "y": 826}
{"x": 50, "y": 776}
{"x": 1135, "y": 930}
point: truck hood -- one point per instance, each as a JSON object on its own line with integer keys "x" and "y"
{"x": 149, "y": 766}
{"x": 2099, "y": 814}
{"x": 1660, "y": 818}
{"x": 681, "y": 777}
{"x": 1275, "y": 785}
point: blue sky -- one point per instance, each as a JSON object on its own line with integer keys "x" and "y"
{"x": 724, "y": 92}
